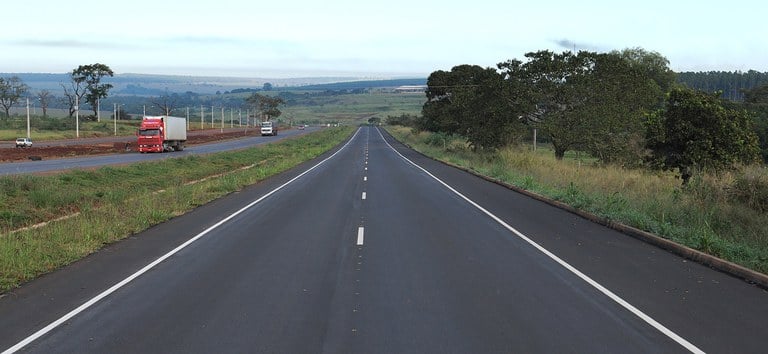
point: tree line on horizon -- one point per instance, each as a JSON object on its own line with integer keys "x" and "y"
{"x": 622, "y": 107}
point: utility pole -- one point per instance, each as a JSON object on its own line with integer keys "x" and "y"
{"x": 28, "y": 137}
{"x": 98, "y": 109}
{"x": 202, "y": 117}
{"x": 187, "y": 118}
{"x": 212, "y": 126}
{"x": 77, "y": 116}
{"x": 222, "y": 119}
{"x": 114, "y": 119}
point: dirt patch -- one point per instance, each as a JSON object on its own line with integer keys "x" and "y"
{"x": 45, "y": 152}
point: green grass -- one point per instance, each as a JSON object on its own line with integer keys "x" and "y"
{"x": 63, "y": 128}
{"x": 115, "y": 202}
{"x": 353, "y": 108}
{"x": 706, "y": 215}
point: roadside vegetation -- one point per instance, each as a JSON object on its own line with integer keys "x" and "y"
{"x": 98, "y": 207}
{"x": 724, "y": 214}
{"x": 48, "y": 128}
{"x": 625, "y": 140}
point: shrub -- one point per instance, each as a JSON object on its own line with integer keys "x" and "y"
{"x": 751, "y": 188}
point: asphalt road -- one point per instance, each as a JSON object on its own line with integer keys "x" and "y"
{"x": 365, "y": 252}
{"x": 26, "y": 167}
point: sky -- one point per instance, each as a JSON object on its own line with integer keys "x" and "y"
{"x": 372, "y": 39}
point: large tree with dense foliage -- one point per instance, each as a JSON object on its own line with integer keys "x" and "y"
{"x": 86, "y": 82}
{"x": 696, "y": 132}
{"x": 473, "y": 102}
{"x": 594, "y": 102}
{"x": 11, "y": 91}
{"x": 623, "y": 91}
{"x": 266, "y": 106}
{"x": 558, "y": 83}
{"x": 756, "y": 100}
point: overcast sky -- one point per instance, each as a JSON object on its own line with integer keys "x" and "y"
{"x": 286, "y": 38}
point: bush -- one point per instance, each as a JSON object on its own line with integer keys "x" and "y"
{"x": 751, "y": 188}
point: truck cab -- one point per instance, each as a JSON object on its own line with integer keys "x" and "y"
{"x": 161, "y": 134}
{"x": 268, "y": 128}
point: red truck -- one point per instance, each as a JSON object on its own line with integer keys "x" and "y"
{"x": 162, "y": 133}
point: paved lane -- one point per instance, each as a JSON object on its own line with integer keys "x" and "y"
{"x": 367, "y": 253}
{"x": 27, "y": 167}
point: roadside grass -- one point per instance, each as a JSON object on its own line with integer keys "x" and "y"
{"x": 62, "y": 128}
{"x": 714, "y": 214}
{"x": 114, "y": 202}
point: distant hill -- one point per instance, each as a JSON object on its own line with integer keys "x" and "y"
{"x": 367, "y": 84}
{"x": 155, "y": 85}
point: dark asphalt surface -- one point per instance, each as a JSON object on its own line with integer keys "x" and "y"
{"x": 434, "y": 275}
{"x": 15, "y": 168}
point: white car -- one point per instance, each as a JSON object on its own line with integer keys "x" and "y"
{"x": 23, "y": 142}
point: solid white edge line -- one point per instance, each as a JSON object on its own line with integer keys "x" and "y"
{"x": 43, "y": 331}
{"x": 661, "y": 328}
{"x": 360, "y": 234}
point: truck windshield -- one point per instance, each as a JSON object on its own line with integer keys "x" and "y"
{"x": 149, "y": 132}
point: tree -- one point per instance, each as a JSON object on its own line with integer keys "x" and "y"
{"x": 73, "y": 96}
{"x": 471, "y": 101}
{"x": 594, "y": 102}
{"x": 696, "y": 132}
{"x": 266, "y": 106}
{"x": 11, "y": 91}
{"x": 46, "y": 98}
{"x": 267, "y": 86}
{"x": 622, "y": 94}
{"x": 166, "y": 103}
{"x": 559, "y": 87}
{"x": 756, "y": 100}
{"x": 90, "y": 76}
{"x": 650, "y": 64}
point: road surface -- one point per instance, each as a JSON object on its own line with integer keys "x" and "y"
{"x": 361, "y": 251}
{"x": 26, "y": 167}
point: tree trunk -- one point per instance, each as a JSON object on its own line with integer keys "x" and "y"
{"x": 559, "y": 152}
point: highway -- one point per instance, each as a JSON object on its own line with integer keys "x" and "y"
{"x": 373, "y": 248}
{"x": 26, "y": 167}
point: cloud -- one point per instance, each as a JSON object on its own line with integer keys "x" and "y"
{"x": 570, "y": 45}
{"x": 64, "y": 43}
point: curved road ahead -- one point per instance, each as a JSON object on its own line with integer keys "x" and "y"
{"x": 365, "y": 251}
{"x": 15, "y": 168}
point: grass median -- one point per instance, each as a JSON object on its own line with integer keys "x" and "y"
{"x": 98, "y": 207}
{"x": 722, "y": 215}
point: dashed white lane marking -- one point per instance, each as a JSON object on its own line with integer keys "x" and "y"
{"x": 366, "y": 168}
{"x": 360, "y": 235}
{"x": 623, "y": 303}
{"x": 364, "y": 195}
{"x": 365, "y": 179}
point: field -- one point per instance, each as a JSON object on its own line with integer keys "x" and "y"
{"x": 354, "y": 108}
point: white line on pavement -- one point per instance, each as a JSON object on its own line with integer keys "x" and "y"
{"x": 648, "y": 319}
{"x": 43, "y": 331}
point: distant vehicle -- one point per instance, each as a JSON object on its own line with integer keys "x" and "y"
{"x": 301, "y": 126}
{"x": 23, "y": 142}
{"x": 268, "y": 128}
{"x": 162, "y": 133}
